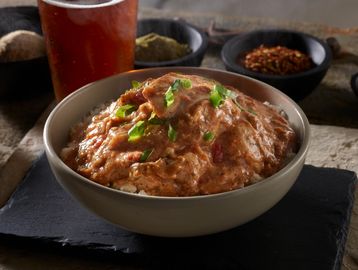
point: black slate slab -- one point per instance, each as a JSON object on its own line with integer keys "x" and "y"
{"x": 306, "y": 230}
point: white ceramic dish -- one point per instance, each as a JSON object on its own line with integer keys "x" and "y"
{"x": 167, "y": 216}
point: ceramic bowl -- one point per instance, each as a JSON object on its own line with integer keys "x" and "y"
{"x": 171, "y": 216}
{"x": 180, "y": 31}
{"x": 297, "y": 86}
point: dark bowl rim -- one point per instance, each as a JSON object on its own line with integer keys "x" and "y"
{"x": 202, "y": 48}
{"x": 231, "y": 63}
{"x": 26, "y": 61}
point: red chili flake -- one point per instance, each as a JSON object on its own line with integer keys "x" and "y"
{"x": 133, "y": 156}
{"x": 278, "y": 60}
{"x": 217, "y": 152}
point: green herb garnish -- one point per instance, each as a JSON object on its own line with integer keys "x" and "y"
{"x": 185, "y": 83}
{"x": 125, "y": 110}
{"x": 215, "y": 98}
{"x": 169, "y": 94}
{"x": 137, "y": 131}
{"x": 224, "y": 92}
{"x": 145, "y": 155}
{"x": 155, "y": 120}
{"x": 208, "y": 136}
{"x": 252, "y": 111}
{"x": 220, "y": 93}
{"x": 169, "y": 97}
{"x": 136, "y": 84}
{"x": 172, "y": 134}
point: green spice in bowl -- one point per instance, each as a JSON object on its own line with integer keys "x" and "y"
{"x": 156, "y": 48}
{"x": 168, "y": 42}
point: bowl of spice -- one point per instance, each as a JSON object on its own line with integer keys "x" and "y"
{"x": 168, "y": 42}
{"x": 24, "y": 69}
{"x": 294, "y": 62}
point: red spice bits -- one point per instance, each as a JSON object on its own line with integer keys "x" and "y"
{"x": 278, "y": 60}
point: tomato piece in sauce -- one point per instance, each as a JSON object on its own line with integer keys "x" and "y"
{"x": 217, "y": 152}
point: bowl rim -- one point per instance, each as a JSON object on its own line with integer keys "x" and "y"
{"x": 201, "y": 49}
{"x": 42, "y": 58}
{"x": 295, "y": 161}
{"x": 233, "y": 65}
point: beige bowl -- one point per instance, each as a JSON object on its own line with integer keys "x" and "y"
{"x": 167, "y": 216}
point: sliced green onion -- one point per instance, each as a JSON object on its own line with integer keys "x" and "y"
{"x": 136, "y": 84}
{"x": 154, "y": 120}
{"x": 137, "y": 131}
{"x": 169, "y": 94}
{"x": 220, "y": 93}
{"x": 172, "y": 134}
{"x": 251, "y": 111}
{"x": 145, "y": 155}
{"x": 125, "y": 110}
{"x": 225, "y": 92}
{"x": 169, "y": 97}
{"x": 185, "y": 83}
{"x": 208, "y": 136}
{"x": 215, "y": 98}
{"x": 175, "y": 85}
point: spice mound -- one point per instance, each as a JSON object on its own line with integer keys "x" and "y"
{"x": 278, "y": 60}
{"x": 180, "y": 135}
{"x": 21, "y": 45}
{"x": 157, "y": 48}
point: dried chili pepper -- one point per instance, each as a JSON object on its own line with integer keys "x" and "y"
{"x": 278, "y": 60}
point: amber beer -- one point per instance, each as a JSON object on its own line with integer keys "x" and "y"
{"x": 87, "y": 40}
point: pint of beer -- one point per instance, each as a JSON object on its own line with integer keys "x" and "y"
{"x": 87, "y": 40}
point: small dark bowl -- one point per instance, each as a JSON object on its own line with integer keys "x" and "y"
{"x": 354, "y": 83}
{"x": 297, "y": 86}
{"x": 25, "y": 78}
{"x": 181, "y": 32}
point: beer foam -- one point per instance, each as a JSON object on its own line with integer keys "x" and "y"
{"x": 82, "y": 3}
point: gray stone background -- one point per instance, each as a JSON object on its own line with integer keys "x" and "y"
{"x": 341, "y": 13}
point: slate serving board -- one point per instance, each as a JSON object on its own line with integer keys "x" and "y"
{"x": 307, "y": 229}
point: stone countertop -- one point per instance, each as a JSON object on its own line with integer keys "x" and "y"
{"x": 331, "y": 104}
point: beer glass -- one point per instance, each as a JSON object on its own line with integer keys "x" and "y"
{"x": 87, "y": 40}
